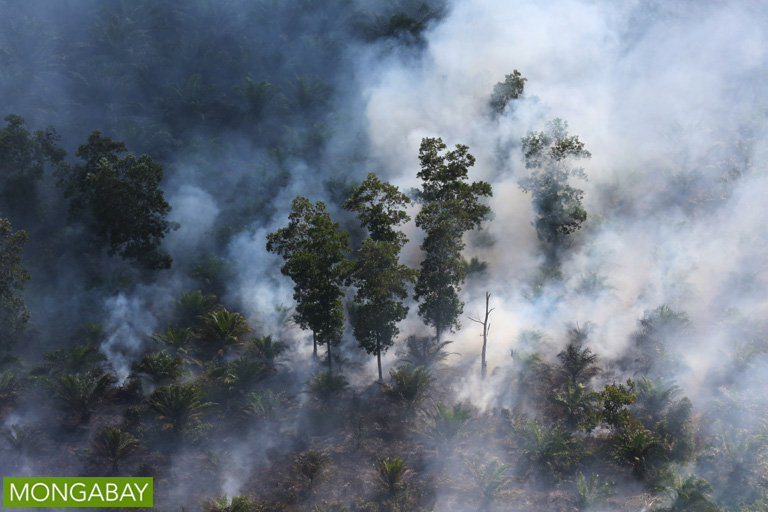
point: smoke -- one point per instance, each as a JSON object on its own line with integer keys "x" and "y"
{"x": 669, "y": 99}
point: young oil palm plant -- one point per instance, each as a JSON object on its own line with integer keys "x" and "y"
{"x": 193, "y": 307}
{"x": 424, "y": 351}
{"x": 160, "y": 367}
{"x": 450, "y": 425}
{"x": 640, "y": 449}
{"x": 654, "y": 398}
{"x": 178, "y": 339}
{"x": 325, "y": 386}
{"x": 576, "y": 404}
{"x": 81, "y": 394}
{"x": 267, "y": 349}
{"x": 409, "y": 385}
{"x": 224, "y": 504}
{"x": 392, "y": 473}
{"x": 114, "y": 446}
{"x": 9, "y": 388}
{"x": 23, "y": 440}
{"x": 178, "y": 405}
{"x": 691, "y": 494}
{"x": 311, "y": 464}
{"x": 221, "y": 330}
{"x": 490, "y": 476}
{"x": 550, "y": 450}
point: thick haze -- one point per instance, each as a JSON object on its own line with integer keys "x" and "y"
{"x": 669, "y": 97}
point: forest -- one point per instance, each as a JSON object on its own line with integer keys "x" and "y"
{"x": 388, "y": 255}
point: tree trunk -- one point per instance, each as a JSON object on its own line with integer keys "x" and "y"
{"x": 378, "y": 357}
{"x": 484, "y": 363}
{"x": 314, "y": 343}
{"x": 330, "y": 361}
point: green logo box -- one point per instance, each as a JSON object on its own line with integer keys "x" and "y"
{"x": 77, "y": 492}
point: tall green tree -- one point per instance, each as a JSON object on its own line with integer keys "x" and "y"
{"x": 451, "y": 206}
{"x": 380, "y": 280}
{"x": 314, "y": 249}
{"x": 23, "y": 157}
{"x": 14, "y": 316}
{"x": 118, "y": 196}
{"x": 551, "y": 156}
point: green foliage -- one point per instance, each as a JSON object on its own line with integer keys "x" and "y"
{"x": 23, "y": 440}
{"x": 224, "y": 504}
{"x": 222, "y": 329}
{"x": 178, "y": 406}
{"x": 193, "y": 307}
{"x": 313, "y": 249}
{"x": 409, "y": 385}
{"x": 392, "y": 473}
{"x": 380, "y": 207}
{"x": 592, "y": 491}
{"x": 474, "y": 266}
{"x": 656, "y": 330}
{"x": 81, "y": 394}
{"x": 504, "y": 92}
{"x": 490, "y": 476}
{"x": 424, "y": 351}
{"x": 690, "y": 495}
{"x": 549, "y": 155}
{"x": 577, "y": 405}
{"x": 160, "y": 367}
{"x": 114, "y": 446}
{"x": 577, "y": 364}
{"x": 242, "y": 374}
{"x": 267, "y": 349}
{"x": 9, "y": 388}
{"x": 311, "y": 464}
{"x": 381, "y": 282}
{"x": 120, "y": 198}
{"x": 14, "y": 316}
{"x": 616, "y": 398}
{"x": 177, "y": 339}
{"x": 451, "y": 206}
{"x": 23, "y": 158}
{"x": 642, "y": 450}
{"x": 326, "y": 385}
{"x": 551, "y": 450}
{"x": 76, "y": 359}
{"x": 266, "y": 404}
{"x": 450, "y": 425}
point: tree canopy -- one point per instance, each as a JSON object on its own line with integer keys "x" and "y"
{"x": 14, "y": 316}
{"x": 118, "y": 196}
{"x": 314, "y": 249}
{"x": 451, "y": 206}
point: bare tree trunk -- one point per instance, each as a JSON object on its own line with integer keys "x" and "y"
{"x": 330, "y": 361}
{"x": 486, "y": 329}
{"x": 314, "y": 343}
{"x": 378, "y": 357}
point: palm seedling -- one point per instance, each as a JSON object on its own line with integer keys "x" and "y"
{"x": 577, "y": 364}
{"x": 576, "y": 403}
{"x": 114, "y": 446}
{"x": 551, "y": 450}
{"x": 592, "y": 491}
{"x": 78, "y": 359}
{"x": 490, "y": 476}
{"x": 266, "y": 404}
{"x": 691, "y": 494}
{"x": 409, "y": 385}
{"x": 9, "y": 388}
{"x": 23, "y": 440}
{"x": 325, "y": 385}
{"x": 178, "y": 339}
{"x": 392, "y": 473}
{"x": 641, "y": 450}
{"x": 178, "y": 405}
{"x": 311, "y": 464}
{"x": 267, "y": 349}
{"x": 160, "y": 367}
{"x": 221, "y": 330}
{"x": 81, "y": 394}
{"x": 654, "y": 398}
{"x": 224, "y": 504}
{"x": 450, "y": 424}
{"x": 425, "y": 351}
{"x": 193, "y": 307}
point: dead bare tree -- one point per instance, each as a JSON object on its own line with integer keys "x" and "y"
{"x": 486, "y": 330}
